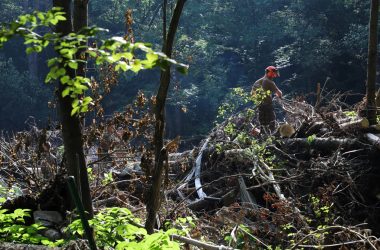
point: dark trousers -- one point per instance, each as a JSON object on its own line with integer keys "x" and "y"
{"x": 267, "y": 116}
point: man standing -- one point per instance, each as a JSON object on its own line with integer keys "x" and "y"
{"x": 266, "y": 87}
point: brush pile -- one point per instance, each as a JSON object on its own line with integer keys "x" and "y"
{"x": 312, "y": 183}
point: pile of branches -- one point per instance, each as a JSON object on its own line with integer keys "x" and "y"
{"x": 312, "y": 183}
{"x": 32, "y": 173}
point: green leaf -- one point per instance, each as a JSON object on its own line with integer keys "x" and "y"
{"x": 54, "y": 21}
{"x": 45, "y": 43}
{"x": 87, "y": 100}
{"x": 29, "y": 50}
{"x": 73, "y": 64}
{"x": 127, "y": 55}
{"x": 136, "y": 66}
{"x": 60, "y": 18}
{"x": 183, "y": 70}
{"x": 41, "y": 16}
{"x": 123, "y": 65}
{"x": 66, "y": 92}
{"x": 73, "y": 112}
{"x": 84, "y": 109}
{"x": 60, "y": 72}
{"x": 65, "y": 79}
{"x": 152, "y": 57}
{"x": 52, "y": 61}
{"x": 116, "y": 57}
{"x": 91, "y": 53}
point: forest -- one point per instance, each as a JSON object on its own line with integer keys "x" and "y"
{"x": 188, "y": 124}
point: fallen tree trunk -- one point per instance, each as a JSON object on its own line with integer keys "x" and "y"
{"x": 324, "y": 144}
{"x": 355, "y": 125}
{"x": 373, "y": 139}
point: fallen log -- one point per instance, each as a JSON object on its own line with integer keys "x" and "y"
{"x": 373, "y": 139}
{"x": 355, "y": 125}
{"x": 324, "y": 144}
{"x": 343, "y": 120}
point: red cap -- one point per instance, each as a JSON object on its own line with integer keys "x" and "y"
{"x": 273, "y": 70}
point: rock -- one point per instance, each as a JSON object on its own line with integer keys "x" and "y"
{"x": 48, "y": 218}
{"x": 52, "y": 234}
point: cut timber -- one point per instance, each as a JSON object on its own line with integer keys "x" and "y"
{"x": 324, "y": 144}
{"x": 286, "y": 130}
{"x": 357, "y": 124}
{"x": 344, "y": 120}
{"x": 373, "y": 139}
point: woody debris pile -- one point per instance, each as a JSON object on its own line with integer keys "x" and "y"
{"x": 311, "y": 183}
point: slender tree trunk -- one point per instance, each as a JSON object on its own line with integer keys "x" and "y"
{"x": 372, "y": 57}
{"x": 164, "y": 20}
{"x": 80, "y": 20}
{"x": 33, "y": 58}
{"x": 153, "y": 203}
{"x": 71, "y": 127}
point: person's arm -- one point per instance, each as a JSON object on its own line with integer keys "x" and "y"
{"x": 278, "y": 93}
{"x": 273, "y": 87}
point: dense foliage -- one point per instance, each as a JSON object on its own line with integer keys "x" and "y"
{"x": 115, "y": 229}
{"x": 227, "y": 44}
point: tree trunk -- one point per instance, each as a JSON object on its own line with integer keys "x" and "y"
{"x": 372, "y": 57}
{"x": 71, "y": 127}
{"x": 323, "y": 144}
{"x": 355, "y": 125}
{"x": 80, "y": 21}
{"x": 153, "y": 202}
{"x": 33, "y": 57}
